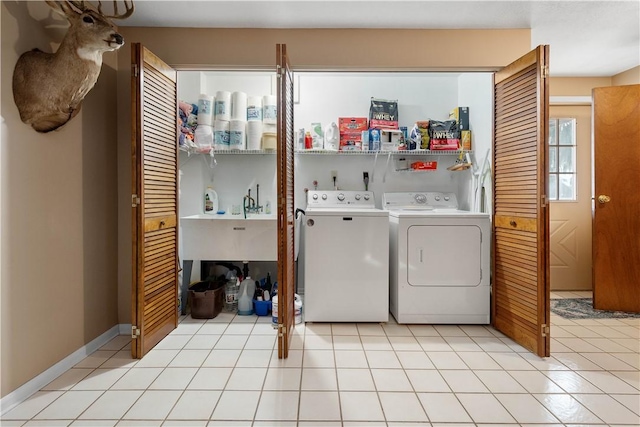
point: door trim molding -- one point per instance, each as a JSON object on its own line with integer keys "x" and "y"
{"x": 25, "y": 391}
{"x": 570, "y": 100}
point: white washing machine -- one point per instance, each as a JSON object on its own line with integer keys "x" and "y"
{"x": 346, "y": 258}
{"x": 439, "y": 260}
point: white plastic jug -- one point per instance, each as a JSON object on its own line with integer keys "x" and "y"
{"x": 332, "y": 137}
{"x": 245, "y": 300}
{"x": 210, "y": 201}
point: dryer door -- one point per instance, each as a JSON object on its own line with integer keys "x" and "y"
{"x": 444, "y": 255}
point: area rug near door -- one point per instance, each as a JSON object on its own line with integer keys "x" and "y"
{"x": 582, "y": 308}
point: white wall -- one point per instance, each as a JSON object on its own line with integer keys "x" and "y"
{"x": 476, "y": 92}
{"x": 323, "y": 97}
{"x": 254, "y": 83}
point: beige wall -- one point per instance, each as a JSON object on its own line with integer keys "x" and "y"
{"x": 629, "y": 77}
{"x": 308, "y": 49}
{"x": 576, "y": 86}
{"x": 582, "y": 86}
{"x": 59, "y": 223}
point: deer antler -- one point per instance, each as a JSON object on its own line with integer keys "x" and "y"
{"x": 78, "y": 5}
{"x": 127, "y": 13}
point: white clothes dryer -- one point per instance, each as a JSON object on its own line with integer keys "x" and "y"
{"x": 439, "y": 260}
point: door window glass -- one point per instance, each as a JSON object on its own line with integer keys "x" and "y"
{"x": 562, "y": 159}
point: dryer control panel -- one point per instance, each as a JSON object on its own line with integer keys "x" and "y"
{"x": 419, "y": 201}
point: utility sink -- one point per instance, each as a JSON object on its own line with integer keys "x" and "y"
{"x": 229, "y": 237}
{"x": 226, "y": 217}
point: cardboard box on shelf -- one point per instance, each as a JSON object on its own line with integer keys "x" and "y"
{"x": 352, "y": 124}
{"x": 350, "y": 141}
{"x": 461, "y": 116}
{"x": 391, "y": 140}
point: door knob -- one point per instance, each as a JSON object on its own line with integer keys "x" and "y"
{"x": 603, "y": 199}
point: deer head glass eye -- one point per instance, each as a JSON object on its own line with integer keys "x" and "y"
{"x": 88, "y": 19}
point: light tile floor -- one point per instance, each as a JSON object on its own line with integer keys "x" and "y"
{"x": 226, "y": 372}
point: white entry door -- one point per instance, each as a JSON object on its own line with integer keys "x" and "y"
{"x": 570, "y": 220}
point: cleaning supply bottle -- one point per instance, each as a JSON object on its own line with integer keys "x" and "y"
{"x": 245, "y": 300}
{"x": 274, "y": 305}
{"x": 210, "y": 201}
{"x": 308, "y": 141}
{"x": 332, "y": 137}
{"x": 231, "y": 292}
{"x": 274, "y": 311}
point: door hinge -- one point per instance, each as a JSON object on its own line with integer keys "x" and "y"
{"x": 545, "y": 71}
{"x": 135, "y": 200}
{"x": 135, "y": 332}
{"x": 544, "y": 330}
{"x": 279, "y": 71}
{"x": 282, "y": 331}
{"x": 134, "y": 70}
{"x": 543, "y": 201}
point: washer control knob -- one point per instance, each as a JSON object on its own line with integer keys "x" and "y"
{"x": 358, "y": 197}
{"x": 315, "y": 197}
{"x": 437, "y": 198}
{"x": 420, "y": 199}
{"x": 324, "y": 197}
{"x": 446, "y": 198}
{"x": 366, "y": 197}
{"x": 341, "y": 197}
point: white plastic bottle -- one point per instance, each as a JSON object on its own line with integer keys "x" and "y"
{"x": 210, "y": 201}
{"x": 274, "y": 310}
{"x": 245, "y": 296}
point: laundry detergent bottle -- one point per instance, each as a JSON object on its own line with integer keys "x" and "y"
{"x": 245, "y": 296}
{"x": 210, "y": 201}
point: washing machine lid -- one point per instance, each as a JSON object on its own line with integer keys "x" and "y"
{"x": 359, "y": 212}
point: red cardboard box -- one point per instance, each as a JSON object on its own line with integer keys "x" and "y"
{"x": 424, "y": 166}
{"x": 350, "y": 141}
{"x": 352, "y": 124}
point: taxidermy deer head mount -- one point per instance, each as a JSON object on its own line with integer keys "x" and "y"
{"x": 48, "y": 88}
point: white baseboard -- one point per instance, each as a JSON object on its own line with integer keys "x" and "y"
{"x": 25, "y": 391}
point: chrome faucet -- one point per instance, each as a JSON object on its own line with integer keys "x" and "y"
{"x": 249, "y": 204}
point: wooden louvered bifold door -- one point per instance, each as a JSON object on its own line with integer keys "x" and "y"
{"x": 520, "y": 294}
{"x": 286, "y": 290}
{"x": 154, "y": 200}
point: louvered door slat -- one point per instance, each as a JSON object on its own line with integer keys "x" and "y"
{"x": 524, "y": 112}
{"x": 520, "y": 274}
{"x": 514, "y": 145}
{"x": 515, "y": 129}
{"x": 154, "y": 144}
{"x": 519, "y": 82}
{"x": 155, "y": 153}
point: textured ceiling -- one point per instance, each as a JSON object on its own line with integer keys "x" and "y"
{"x": 586, "y": 38}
